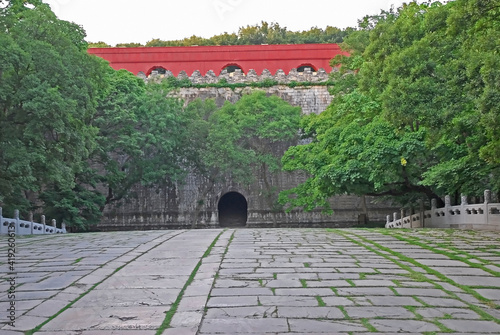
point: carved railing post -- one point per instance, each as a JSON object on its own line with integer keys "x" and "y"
{"x": 463, "y": 209}
{"x": 447, "y": 201}
{"x": 487, "y": 196}
{"x": 42, "y": 219}
{"x": 31, "y": 222}
{"x": 487, "y": 200}
{"x": 422, "y": 213}
{"x": 16, "y": 218}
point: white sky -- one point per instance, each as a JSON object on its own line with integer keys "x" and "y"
{"x": 122, "y": 21}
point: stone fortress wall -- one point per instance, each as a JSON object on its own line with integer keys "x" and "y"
{"x": 311, "y": 98}
{"x": 177, "y": 206}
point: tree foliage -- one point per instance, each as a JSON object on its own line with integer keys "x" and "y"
{"x": 245, "y": 133}
{"x": 76, "y": 135}
{"x": 49, "y": 87}
{"x": 263, "y": 33}
{"x": 239, "y": 141}
{"x": 415, "y": 109}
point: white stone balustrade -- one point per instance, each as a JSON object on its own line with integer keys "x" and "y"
{"x": 485, "y": 216}
{"x": 23, "y": 227}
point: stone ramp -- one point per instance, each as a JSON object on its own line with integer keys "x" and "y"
{"x": 257, "y": 281}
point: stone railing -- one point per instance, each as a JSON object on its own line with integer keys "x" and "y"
{"x": 307, "y": 76}
{"x": 485, "y": 216}
{"x": 22, "y": 227}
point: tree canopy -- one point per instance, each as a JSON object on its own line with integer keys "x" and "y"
{"x": 77, "y": 135}
{"x": 415, "y": 110}
{"x": 49, "y": 88}
{"x": 263, "y": 33}
{"x": 241, "y": 141}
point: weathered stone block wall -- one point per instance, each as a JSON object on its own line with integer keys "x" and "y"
{"x": 175, "y": 207}
{"x": 194, "y": 204}
{"x": 312, "y": 99}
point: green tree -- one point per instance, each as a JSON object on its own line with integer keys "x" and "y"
{"x": 263, "y": 33}
{"x": 410, "y": 109}
{"x": 129, "y": 45}
{"x": 99, "y": 44}
{"x": 249, "y": 137}
{"x": 139, "y": 141}
{"x": 49, "y": 87}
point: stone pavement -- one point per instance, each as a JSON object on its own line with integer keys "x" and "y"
{"x": 254, "y": 281}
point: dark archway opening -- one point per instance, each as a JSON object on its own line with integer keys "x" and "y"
{"x": 304, "y": 67}
{"x": 233, "y": 210}
{"x": 232, "y": 68}
{"x": 157, "y": 70}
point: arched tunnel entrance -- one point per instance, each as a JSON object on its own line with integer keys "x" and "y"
{"x": 233, "y": 210}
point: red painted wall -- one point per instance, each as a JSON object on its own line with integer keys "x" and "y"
{"x": 216, "y": 58}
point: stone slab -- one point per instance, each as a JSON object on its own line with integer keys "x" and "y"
{"x": 264, "y": 286}
{"x": 472, "y": 326}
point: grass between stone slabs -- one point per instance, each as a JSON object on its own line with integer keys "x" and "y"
{"x": 303, "y": 282}
{"x": 442, "y": 328}
{"x": 464, "y": 256}
{"x": 321, "y": 303}
{"x": 396, "y": 293}
{"x": 413, "y": 309}
{"x": 370, "y": 327}
{"x": 403, "y": 258}
{"x": 173, "y": 309}
{"x": 467, "y": 289}
{"x": 37, "y": 328}
{"x": 346, "y": 316}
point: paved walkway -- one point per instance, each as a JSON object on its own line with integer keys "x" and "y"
{"x": 254, "y": 281}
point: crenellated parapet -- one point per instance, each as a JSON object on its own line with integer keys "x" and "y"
{"x": 238, "y": 77}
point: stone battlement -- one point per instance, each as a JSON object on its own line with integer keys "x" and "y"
{"x": 238, "y": 77}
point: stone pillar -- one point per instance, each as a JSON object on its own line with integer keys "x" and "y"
{"x": 463, "y": 200}
{"x": 422, "y": 214}
{"x": 463, "y": 210}
{"x": 388, "y": 219}
{"x": 447, "y": 201}
{"x": 487, "y": 200}
{"x": 31, "y": 222}
{"x": 54, "y": 224}
{"x": 16, "y": 218}
{"x": 44, "y": 225}
{"x": 487, "y": 196}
